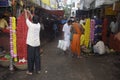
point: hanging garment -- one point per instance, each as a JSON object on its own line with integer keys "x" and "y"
{"x": 104, "y": 30}
{"x": 98, "y": 30}
{"x": 21, "y": 37}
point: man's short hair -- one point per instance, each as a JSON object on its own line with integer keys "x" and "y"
{"x": 35, "y": 19}
{"x": 69, "y": 21}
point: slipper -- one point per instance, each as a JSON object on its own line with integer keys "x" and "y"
{"x": 29, "y": 73}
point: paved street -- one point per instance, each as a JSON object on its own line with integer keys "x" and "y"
{"x": 59, "y": 66}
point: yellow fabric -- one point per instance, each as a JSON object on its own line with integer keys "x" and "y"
{"x": 47, "y": 2}
{"x": 3, "y": 23}
{"x": 87, "y": 32}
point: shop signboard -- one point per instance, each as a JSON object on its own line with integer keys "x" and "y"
{"x": 109, "y": 10}
{"x": 4, "y": 3}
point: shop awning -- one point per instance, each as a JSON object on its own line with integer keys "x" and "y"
{"x": 51, "y": 12}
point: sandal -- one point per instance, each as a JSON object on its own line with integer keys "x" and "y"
{"x": 29, "y": 73}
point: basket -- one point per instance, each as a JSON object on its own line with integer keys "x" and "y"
{"x": 21, "y": 66}
{"x": 1, "y": 55}
{"x": 4, "y": 63}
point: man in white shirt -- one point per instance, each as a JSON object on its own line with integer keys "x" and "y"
{"x": 66, "y": 29}
{"x": 33, "y": 43}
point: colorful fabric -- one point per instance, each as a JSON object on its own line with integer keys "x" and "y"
{"x": 104, "y": 30}
{"x": 21, "y": 37}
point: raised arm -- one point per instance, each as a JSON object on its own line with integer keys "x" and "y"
{"x": 30, "y": 14}
{"x": 26, "y": 16}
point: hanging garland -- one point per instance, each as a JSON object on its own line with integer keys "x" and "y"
{"x": 87, "y": 32}
{"x": 13, "y": 48}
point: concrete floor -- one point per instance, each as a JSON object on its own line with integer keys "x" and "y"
{"x": 59, "y": 66}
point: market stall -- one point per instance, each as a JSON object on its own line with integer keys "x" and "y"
{"x": 4, "y": 33}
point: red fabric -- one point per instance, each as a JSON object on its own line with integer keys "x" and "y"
{"x": 104, "y": 30}
{"x": 6, "y": 30}
{"x": 21, "y": 37}
{"x": 114, "y": 43}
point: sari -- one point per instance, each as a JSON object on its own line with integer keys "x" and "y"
{"x": 75, "y": 43}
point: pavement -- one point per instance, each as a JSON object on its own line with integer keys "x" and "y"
{"x": 59, "y": 66}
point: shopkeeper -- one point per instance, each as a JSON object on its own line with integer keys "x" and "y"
{"x": 3, "y": 23}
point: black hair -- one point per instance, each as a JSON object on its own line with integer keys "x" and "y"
{"x": 69, "y": 21}
{"x": 35, "y": 19}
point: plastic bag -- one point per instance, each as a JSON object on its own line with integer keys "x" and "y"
{"x": 62, "y": 44}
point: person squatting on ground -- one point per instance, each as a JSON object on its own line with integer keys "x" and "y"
{"x": 76, "y": 31}
{"x": 3, "y": 23}
{"x": 33, "y": 43}
{"x": 99, "y": 47}
{"x": 66, "y": 31}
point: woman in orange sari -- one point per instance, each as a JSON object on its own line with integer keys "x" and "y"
{"x": 75, "y": 42}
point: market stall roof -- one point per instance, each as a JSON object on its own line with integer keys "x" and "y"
{"x": 56, "y": 12}
{"x": 52, "y": 12}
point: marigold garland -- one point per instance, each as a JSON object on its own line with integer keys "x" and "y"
{"x": 13, "y": 47}
{"x": 87, "y": 32}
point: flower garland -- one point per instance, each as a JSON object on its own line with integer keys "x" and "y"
{"x": 13, "y": 47}
{"x": 87, "y": 32}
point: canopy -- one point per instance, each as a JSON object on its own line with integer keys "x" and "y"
{"x": 51, "y": 12}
